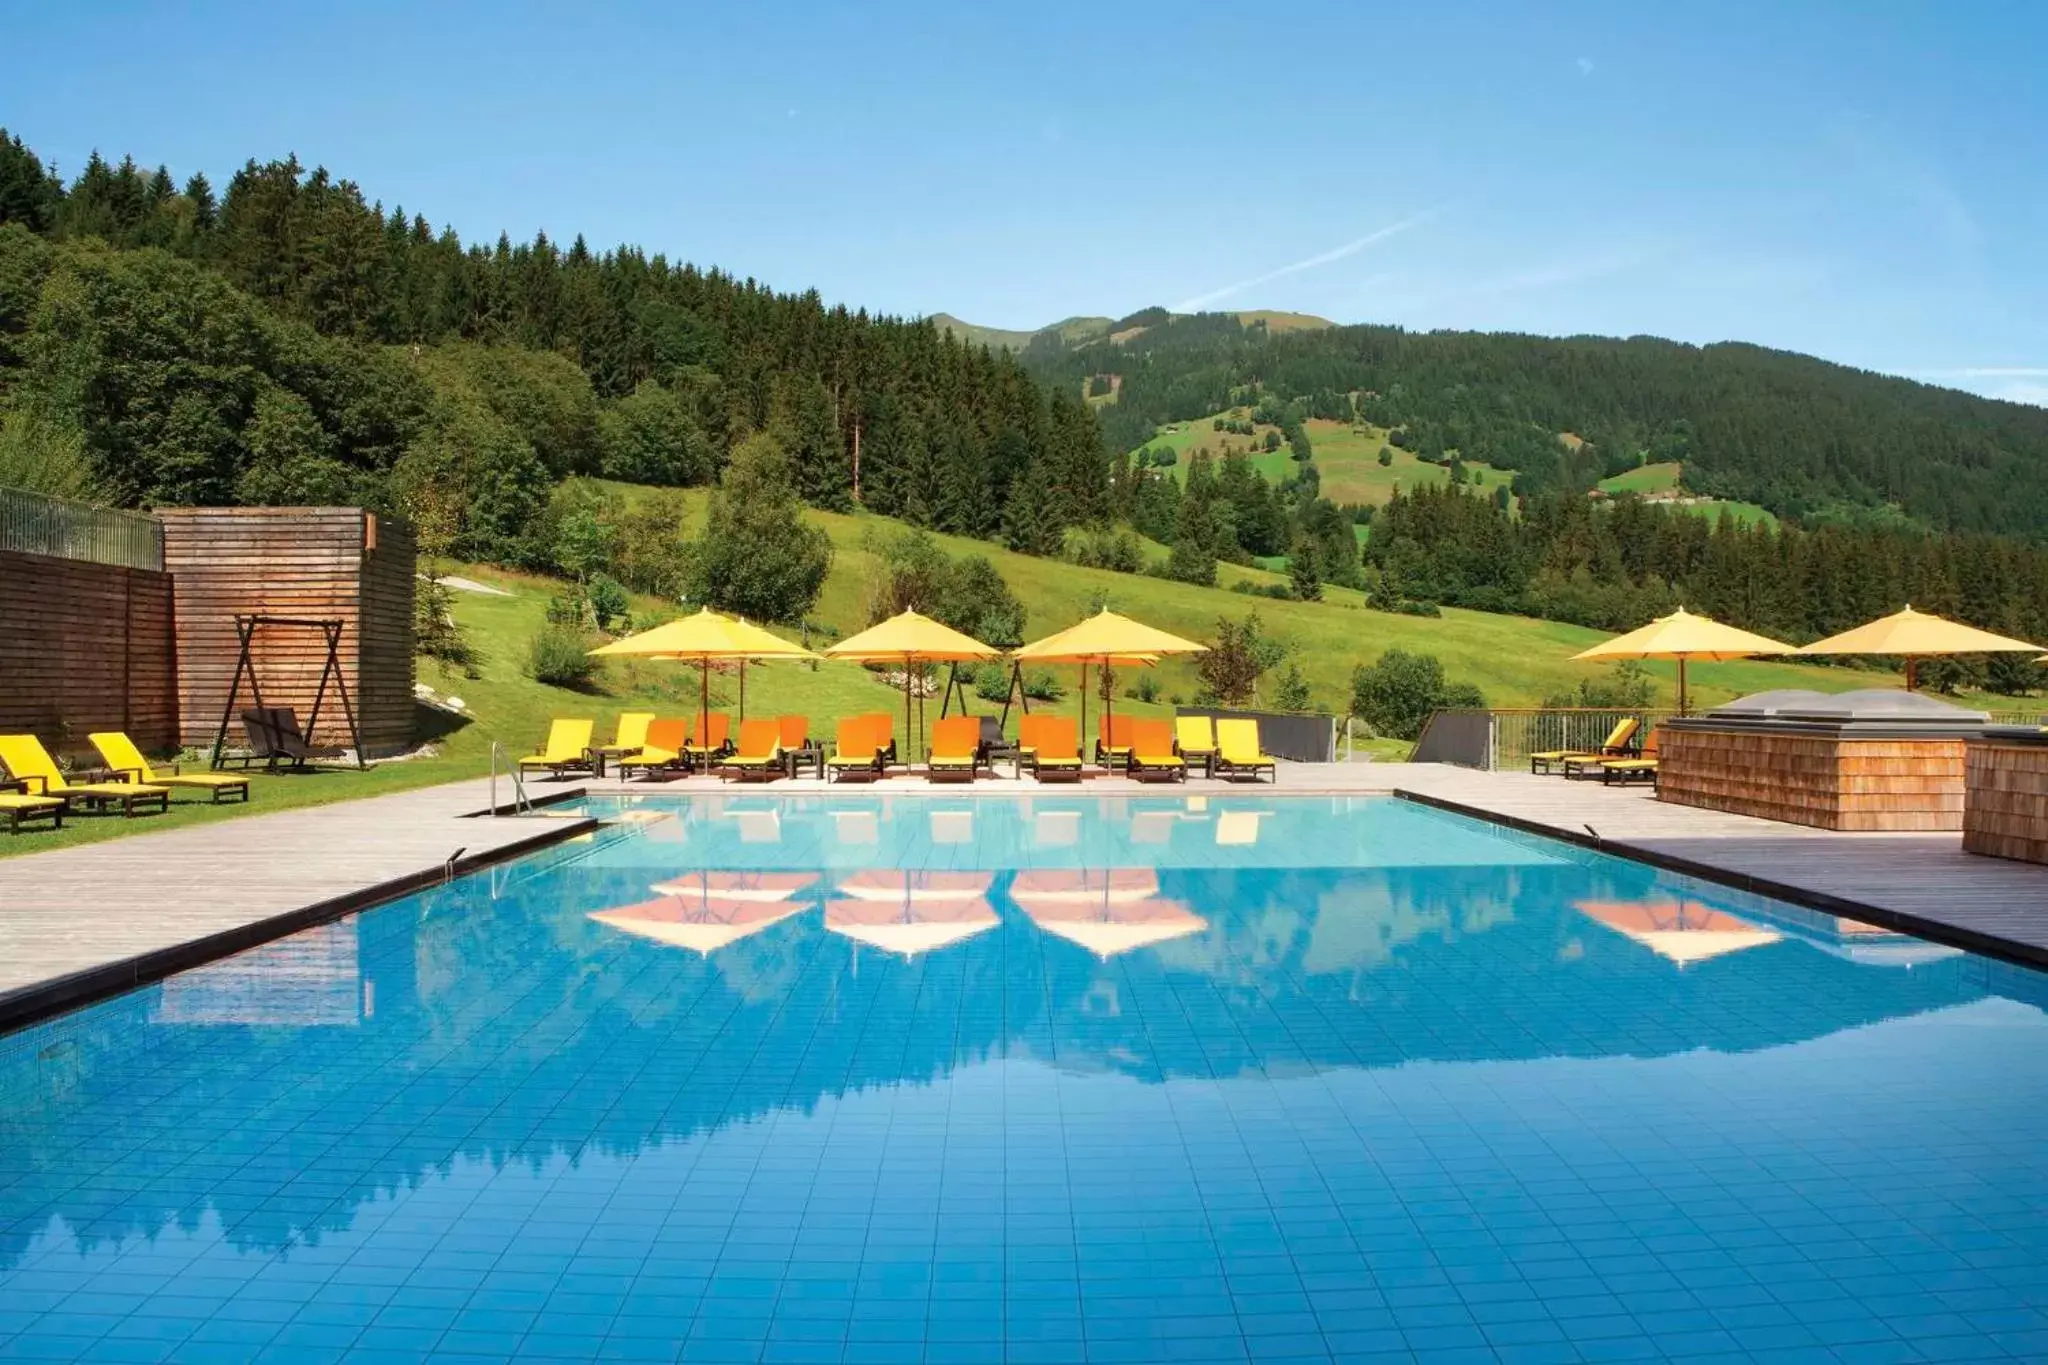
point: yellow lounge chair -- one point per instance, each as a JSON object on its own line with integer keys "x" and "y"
{"x": 1194, "y": 738}
{"x": 30, "y": 764}
{"x": 1614, "y": 746}
{"x": 1050, "y": 748}
{"x": 18, "y": 808}
{"x": 1637, "y": 768}
{"x": 119, "y": 753}
{"x": 714, "y": 743}
{"x": 568, "y": 747}
{"x": 1238, "y": 753}
{"x": 758, "y": 754}
{"x": 856, "y": 749}
{"x": 1152, "y": 758}
{"x": 629, "y": 736}
{"x": 662, "y": 748}
{"x": 956, "y": 750}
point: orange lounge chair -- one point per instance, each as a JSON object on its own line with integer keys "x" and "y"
{"x": 715, "y": 743}
{"x": 662, "y": 751}
{"x": 956, "y": 750}
{"x": 1151, "y": 757}
{"x": 759, "y": 754}
{"x": 1050, "y": 748}
{"x": 856, "y": 750}
{"x": 1113, "y": 750}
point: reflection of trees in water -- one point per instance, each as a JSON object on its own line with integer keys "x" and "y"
{"x": 1380, "y": 967}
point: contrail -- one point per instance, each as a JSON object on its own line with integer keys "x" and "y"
{"x": 1199, "y": 301}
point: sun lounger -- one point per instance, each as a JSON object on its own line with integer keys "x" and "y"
{"x": 1238, "y": 753}
{"x": 19, "y": 808}
{"x": 856, "y": 750}
{"x": 956, "y": 750}
{"x": 30, "y": 764}
{"x": 1622, "y": 771}
{"x": 662, "y": 751}
{"x": 794, "y": 732}
{"x": 759, "y": 753}
{"x": 1151, "y": 757}
{"x": 1616, "y": 745}
{"x": 126, "y": 762}
{"x": 1583, "y": 766}
{"x": 704, "y": 750}
{"x": 885, "y": 730}
{"x": 1113, "y": 750}
{"x": 1050, "y": 748}
{"x": 1194, "y": 738}
{"x": 568, "y": 748}
{"x": 629, "y": 736}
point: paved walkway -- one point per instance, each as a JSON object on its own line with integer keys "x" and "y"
{"x": 77, "y": 923}
{"x": 1920, "y": 883}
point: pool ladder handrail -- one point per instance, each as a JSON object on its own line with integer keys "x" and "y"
{"x": 521, "y": 803}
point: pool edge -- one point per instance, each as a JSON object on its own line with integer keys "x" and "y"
{"x": 30, "y": 1005}
{"x": 1934, "y": 931}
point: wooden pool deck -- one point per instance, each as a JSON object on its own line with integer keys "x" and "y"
{"x": 1922, "y": 884}
{"x": 83, "y": 922}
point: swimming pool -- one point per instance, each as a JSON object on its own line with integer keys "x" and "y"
{"x": 961, "y": 1079}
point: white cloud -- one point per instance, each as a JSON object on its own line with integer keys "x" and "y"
{"x": 2025, "y": 391}
{"x": 1200, "y": 301}
{"x": 1990, "y": 372}
{"x": 1585, "y": 65}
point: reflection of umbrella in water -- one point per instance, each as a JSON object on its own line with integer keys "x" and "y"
{"x": 910, "y": 927}
{"x": 738, "y": 886}
{"x": 914, "y": 888}
{"x": 1105, "y": 912}
{"x": 1683, "y": 931}
{"x": 703, "y": 925}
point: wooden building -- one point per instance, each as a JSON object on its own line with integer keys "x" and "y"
{"x": 311, "y": 563}
{"x": 2005, "y": 806}
{"x": 86, "y": 646}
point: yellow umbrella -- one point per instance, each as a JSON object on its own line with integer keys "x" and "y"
{"x": 909, "y": 638}
{"x": 705, "y": 637}
{"x": 1916, "y": 634}
{"x": 1683, "y": 636}
{"x": 1111, "y": 641}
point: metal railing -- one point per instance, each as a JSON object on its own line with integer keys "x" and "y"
{"x": 1501, "y": 739}
{"x": 520, "y": 801}
{"x": 38, "y": 524}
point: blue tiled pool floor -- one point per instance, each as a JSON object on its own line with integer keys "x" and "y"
{"x": 1256, "y": 1080}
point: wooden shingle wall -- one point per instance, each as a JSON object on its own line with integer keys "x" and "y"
{"x": 1817, "y": 780}
{"x": 2005, "y": 809}
{"x": 85, "y": 647}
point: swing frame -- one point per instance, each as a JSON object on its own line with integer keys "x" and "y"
{"x": 245, "y": 630}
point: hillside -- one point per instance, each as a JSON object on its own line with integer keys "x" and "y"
{"x": 1804, "y": 439}
{"x": 1080, "y": 331}
{"x": 1347, "y": 457}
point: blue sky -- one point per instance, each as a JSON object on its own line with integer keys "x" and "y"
{"x": 1862, "y": 181}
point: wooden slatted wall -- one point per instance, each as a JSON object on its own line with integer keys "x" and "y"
{"x": 308, "y": 562}
{"x": 86, "y": 647}
{"x": 390, "y": 577}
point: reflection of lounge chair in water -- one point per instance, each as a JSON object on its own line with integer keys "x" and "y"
{"x": 759, "y": 826}
{"x": 1055, "y": 828}
{"x": 855, "y": 826}
{"x": 1239, "y": 827}
{"x": 952, "y": 826}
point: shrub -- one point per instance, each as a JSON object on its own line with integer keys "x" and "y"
{"x": 1231, "y": 668}
{"x": 1116, "y": 550}
{"x": 1292, "y": 694}
{"x": 558, "y": 655}
{"x": 760, "y": 557}
{"x": 992, "y": 682}
{"x": 1397, "y": 693}
{"x": 1628, "y": 687}
{"x": 608, "y": 601}
{"x": 435, "y": 632}
{"x": 1145, "y": 689}
{"x": 1044, "y": 685}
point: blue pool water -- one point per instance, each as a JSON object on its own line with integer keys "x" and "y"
{"x": 978, "y": 1079}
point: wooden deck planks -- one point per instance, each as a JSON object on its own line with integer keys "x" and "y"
{"x": 90, "y": 909}
{"x": 1921, "y": 883}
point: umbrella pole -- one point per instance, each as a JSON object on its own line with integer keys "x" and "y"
{"x": 1084, "y": 714}
{"x": 1909, "y": 673}
{"x": 1102, "y": 736}
{"x": 704, "y": 700}
{"x": 1681, "y": 684}
{"x": 743, "y": 691}
{"x": 907, "y": 736}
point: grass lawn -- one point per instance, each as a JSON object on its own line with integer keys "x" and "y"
{"x": 1648, "y": 478}
{"x": 1665, "y": 476}
{"x": 1347, "y": 458}
{"x": 1515, "y": 661}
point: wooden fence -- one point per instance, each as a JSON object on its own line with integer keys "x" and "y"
{"x": 85, "y": 647}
